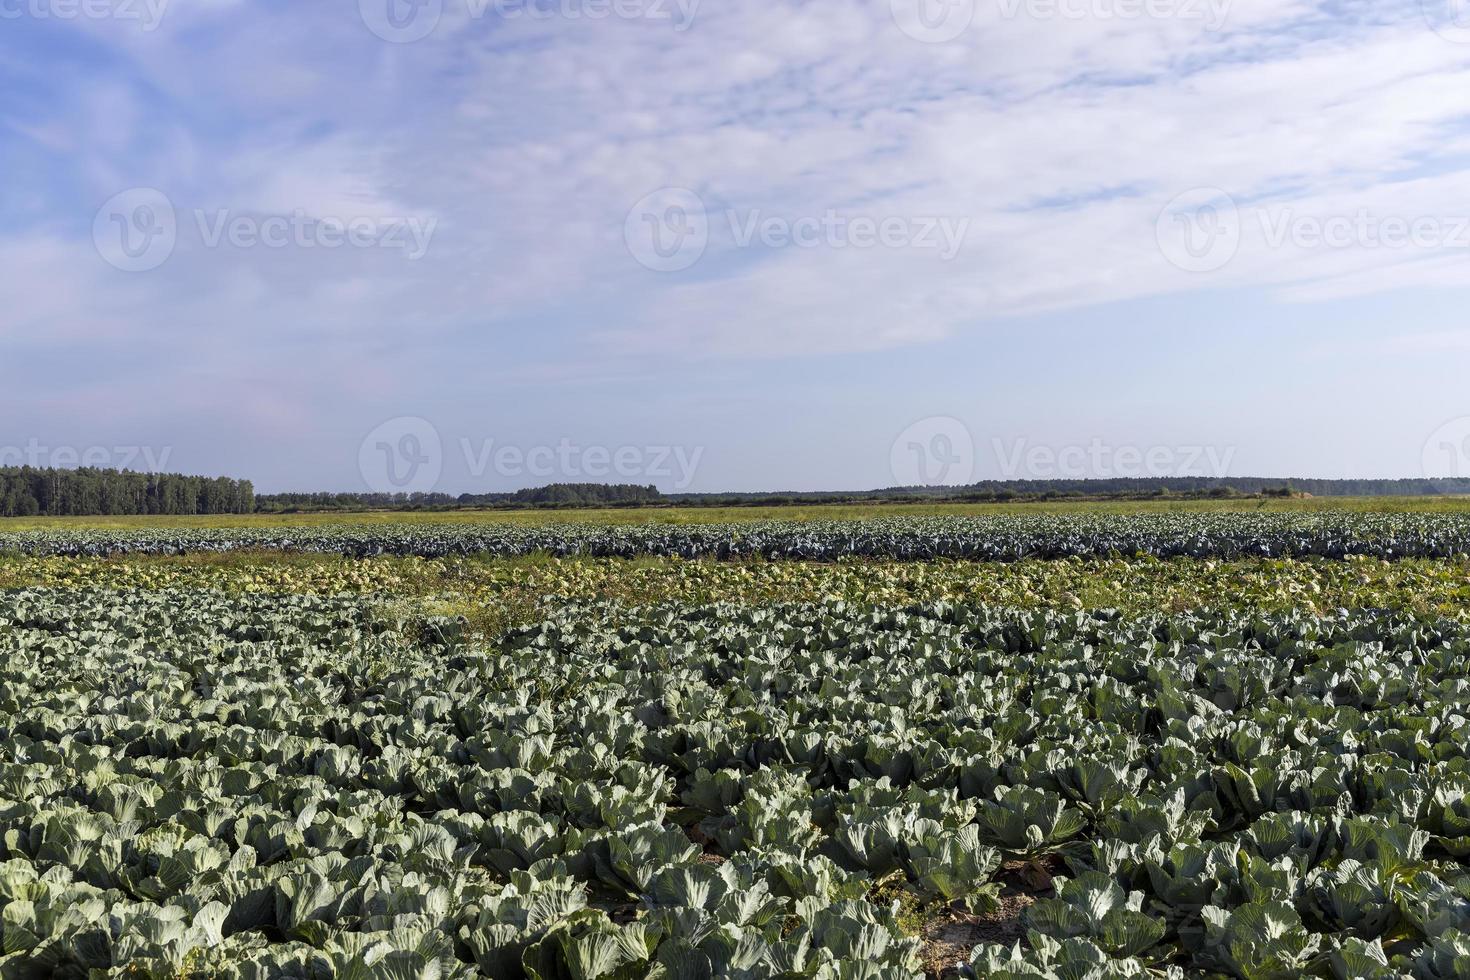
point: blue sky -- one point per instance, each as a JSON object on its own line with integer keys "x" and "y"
{"x": 751, "y": 245}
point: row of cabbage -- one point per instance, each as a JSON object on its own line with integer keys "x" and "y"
{"x": 194, "y": 785}
{"x": 995, "y": 538}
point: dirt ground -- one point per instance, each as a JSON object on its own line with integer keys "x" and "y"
{"x": 949, "y": 940}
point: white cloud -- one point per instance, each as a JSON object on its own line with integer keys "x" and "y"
{"x": 1059, "y": 141}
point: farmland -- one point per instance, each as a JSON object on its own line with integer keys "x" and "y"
{"x": 729, "y": 515}
{"x": 1114, "y": 743}
{"x": 991, "y": 538}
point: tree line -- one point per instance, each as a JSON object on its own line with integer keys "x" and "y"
{"x": 554, "y": 496}
{"x": 30, "y": 492}
{"x": 1140, "y": 486}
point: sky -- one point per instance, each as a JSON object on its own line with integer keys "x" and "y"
{"x": 477, "y": 245}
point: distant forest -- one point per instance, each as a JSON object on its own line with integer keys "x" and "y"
{"x": 549, "y": 497}
{"x": 1201, "y": 484}
{"x": 30, "y": 492}
{"x": 1193, "y": 488}
{"x": 575, "y": 495}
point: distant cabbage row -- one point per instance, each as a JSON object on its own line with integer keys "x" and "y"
{"x": 198, "y": 787}
{"x": 999, "y": 538}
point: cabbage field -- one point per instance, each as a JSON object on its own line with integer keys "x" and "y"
{"x": 432, "y": 757}
{"x": 1259, "y": 534}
